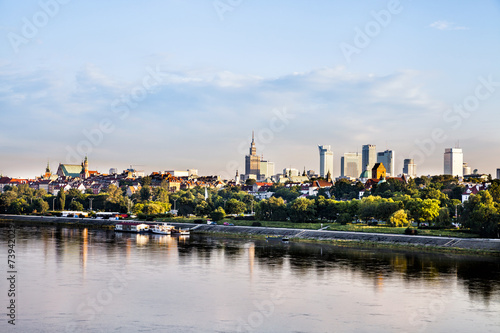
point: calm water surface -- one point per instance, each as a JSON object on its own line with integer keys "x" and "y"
{"x": 72, "y": 280}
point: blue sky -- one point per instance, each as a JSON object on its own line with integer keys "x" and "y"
{"x": 165, "y": 85}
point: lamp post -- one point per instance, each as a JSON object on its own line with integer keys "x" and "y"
{"x": 90, "y": 199}
{"x": 53, "y": 201}
{"x": 175, "y": 201}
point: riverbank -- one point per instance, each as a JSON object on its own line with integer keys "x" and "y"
{"x": 344, "y": 238}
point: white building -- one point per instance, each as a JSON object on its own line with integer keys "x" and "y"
{"x": 467, "y": 169}
{"x": 350, "y": 165}
{"x": 410, "y": 168}
{"x": 453, "y": 162}
{"x": 266, "y": 169}
{"x": 290, "y": 172}
{"x": 325, "y": 161}
{"x": 387, "y": 159}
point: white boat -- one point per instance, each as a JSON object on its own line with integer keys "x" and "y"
{"x": 132, "y": 227}
{"x": 162, "y": 229}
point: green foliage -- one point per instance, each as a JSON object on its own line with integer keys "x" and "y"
{"x": 61, "y": 199}
{"x": 443, "y": 219}
{"x": 234, "y": 206}
{"x": 75, "y": 205}
{"x": 429, "y": 210}
{"x": 272, "y": 209}
{"x": 344, "y": 218}
{"x": 399, "y": 219}
{"x": 202, "y": 209}
{"x": 250, "y": 181}
{"x": 145, "y": 193}
{"x": 480, "y": 214}
{"x": 218, "y": 214}
{"x": 302, "y": 210}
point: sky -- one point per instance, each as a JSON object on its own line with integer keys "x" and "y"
{"x": 175, "y": 85}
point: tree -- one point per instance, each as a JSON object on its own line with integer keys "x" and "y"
{"x": 61, "y": 199}
{"x": 6, "y": 199}
{"x": 272, "y": 209}
{"x": 146, "y": 181}
{"x": 344, "y": 218}
{"x": 161, "y": 194}
{"x": 202, "y": 209}
{"x": 40, "y": 206}
{"x": 443, "y": 219}
{"x": 480, "y": 215}
{"x": 75, "y": 205}
{"x": 145, "y": 193}
{"x": 368, "y": 207}
{"x": 114, "y": 194}
{"x": 429, "y": 210}
{"x": 218, "y": 214}
{"x": 302, "y": 210}
{"x": 250, "y": 181}
{"x": 399, "y": 219}
{"x": 234, "y": 206}
{"x": 74, "y": 193}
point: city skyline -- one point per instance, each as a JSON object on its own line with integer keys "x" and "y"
{"x": 162, "y": 85}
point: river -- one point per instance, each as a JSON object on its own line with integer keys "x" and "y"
{"x": 79, "y": 280}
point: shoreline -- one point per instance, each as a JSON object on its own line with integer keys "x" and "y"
{"x": 483, "y": 246}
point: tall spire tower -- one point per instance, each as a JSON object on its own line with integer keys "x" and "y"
{"x": 252, "y": 161}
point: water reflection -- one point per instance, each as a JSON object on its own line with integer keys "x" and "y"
{"x": 478, "y": 276}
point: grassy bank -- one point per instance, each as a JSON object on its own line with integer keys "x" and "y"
{"x": 359, "y": 227}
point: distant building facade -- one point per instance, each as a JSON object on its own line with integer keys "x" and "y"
{"x": 467, "y": 170}
{"x": 350, "y": 165}
{"x": 379, "y": 171}
{"x": 453, "y": 162}
{"x": 387, "y": 158}
{"x": 410, "y": 168}
{"x": 325, "y": 161}
{"x": 266, "y": 169}
{"x": 369, "y": 157}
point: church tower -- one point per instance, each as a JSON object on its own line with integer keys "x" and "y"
{"x": 47, "y": 172}
{"x": 85, "y": 169}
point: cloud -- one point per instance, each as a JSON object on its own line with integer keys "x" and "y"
{"x": 445, "y": 25}
{"x": 189, "y": 111}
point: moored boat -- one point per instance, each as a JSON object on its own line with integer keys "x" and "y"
{"x": 162, "y": 229}
{"x": 135, "y": 227}
{"x": 181, "y": 232}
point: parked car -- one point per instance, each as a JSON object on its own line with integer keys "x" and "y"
{"x": 212, "y": 222}
{"x": 227, "y": 223}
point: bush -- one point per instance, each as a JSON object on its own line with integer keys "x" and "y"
{"x": 256, "y": 224}
{"x": 372, "y": 224}
{"x": 410, "y": 231}
{"x": 141, "y": 216}
{"x": 344, "y": 218}
{"x": 199, "y": 221}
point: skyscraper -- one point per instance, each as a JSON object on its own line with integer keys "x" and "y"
{"x": 325, "y": 161}
{"x": 453, "y": 162}
{"x": 252, "y": 161}
{"x": 410, "y": 168}
{"x": 350, "y": 165}
{"x": 387, "y": 159}
{"x": 266, "y": 169}
{"x": 498, "y": 173}
{"x": 369, "y": 157}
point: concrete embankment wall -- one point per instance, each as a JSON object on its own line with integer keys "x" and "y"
{"x": 320, "y": 235}
{"x": 323, "y": 235}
